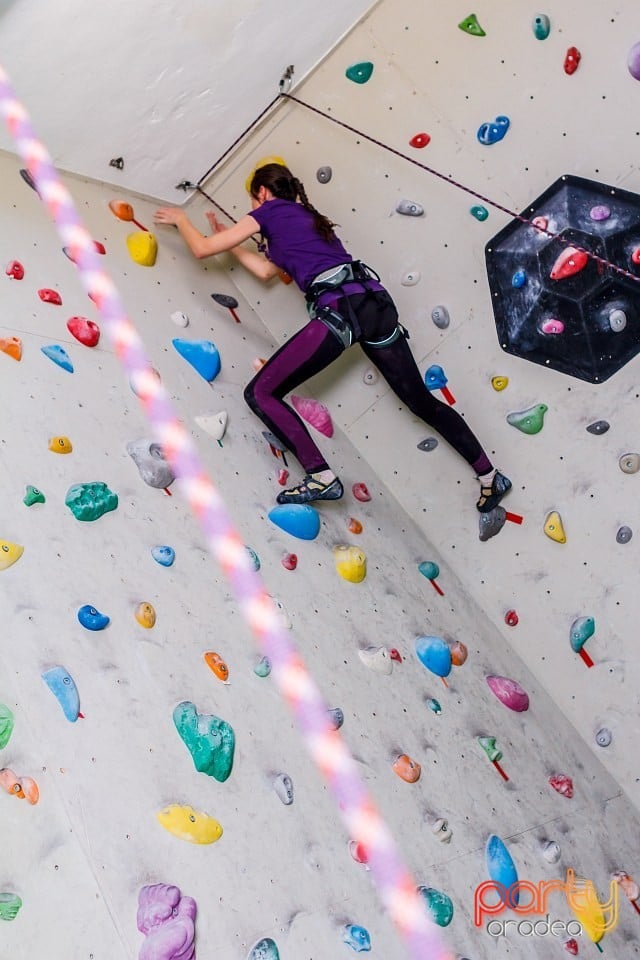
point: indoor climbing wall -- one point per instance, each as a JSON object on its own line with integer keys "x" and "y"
{"x": 142, "y": 738}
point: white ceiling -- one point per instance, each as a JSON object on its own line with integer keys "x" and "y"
{"x": 166, "y": 85}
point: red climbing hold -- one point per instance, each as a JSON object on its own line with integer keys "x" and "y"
{"x": 360, "y": 492}
{"x": 15, "y": 270}
{"x": 571, "y": 946}
{"x": 50, "y": 296}
{"x": 395, "y": 655}
{"x": 569, "y": 262}
{"x": 86, "y": 331}
{"x": 420, "y": 140}
{"x": 562, "y": 784}
{"x": 289, "y": 561}
{"x": 635, "y": 256}
{"x": 283, "y": 476}
{"x": 358, "y": 851}
{"x": 511, "y": 618}
{"x": 99, "y": 247}
{"x": 571, "y": 60}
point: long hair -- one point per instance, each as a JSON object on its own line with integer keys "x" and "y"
{"x": 283, "y": 185}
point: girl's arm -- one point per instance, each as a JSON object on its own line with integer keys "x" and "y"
{"x": 201, "y": 246}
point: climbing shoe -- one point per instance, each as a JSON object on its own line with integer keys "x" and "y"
{"x": 311, "y": 489}
{"x": 491, "y": 496}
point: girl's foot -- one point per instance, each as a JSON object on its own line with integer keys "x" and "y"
{"x": 493, "y": 487}
{"x": 316, "y": 486}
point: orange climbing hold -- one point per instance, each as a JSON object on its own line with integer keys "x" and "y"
{"x": 12, "y": 346}
{"x": 354, "y": 526}
{"x": 407, "y": 769}
{"x": 459, "y": 653}
{"x": 22, "y": 787}
{"x": 215, "y": 662}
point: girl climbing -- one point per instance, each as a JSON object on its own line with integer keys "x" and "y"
{"x": 347, "y": 304}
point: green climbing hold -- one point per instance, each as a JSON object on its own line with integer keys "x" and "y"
{"x": 33, "y": 495}
{"x": 488, "y": 744}
{"x": 210, "y": 740}
{"x": 529, "y": 421}
{"x": 359, "y": 72}
{"x": 6, "y": 725}
{"x": 480, "y": 213}
{"x": 10, "y": 903}
{"x": 470, "y": 25}
{"x": 439, "y": 905}
{"x": 88, "y": 501}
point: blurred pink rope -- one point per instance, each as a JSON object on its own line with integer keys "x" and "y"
{"x": 396, "y": 886}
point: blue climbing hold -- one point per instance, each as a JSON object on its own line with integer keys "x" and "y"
{"x": 299, "y": 519}
{"x": 64, "y": 690}
{"x": 434, "y": 654}
{"x": 502, "y": 870}
{"x": 163, "y": 555}
{"x": 519, "y": 279}
{"x": 435, "y": 378}
{"x": 92, "y": 619}
{"x": 59, "y": 355}
{"x": 493, "y": 132}
{"x": 356, "y": 937}
{"x": 202, "y": 355}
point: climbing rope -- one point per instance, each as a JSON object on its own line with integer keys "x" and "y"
{"x": 396, "y": 886}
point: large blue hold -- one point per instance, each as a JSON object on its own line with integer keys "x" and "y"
{"x": 298, "y": 519}
{"x": 92, "y": 619}
{"x": 59, "y": 355}
{"x": 62, "y": 686}
{"x": 434, "y": 654}
{"x": 502, "y": 869}
{"x": 202, "y": 355}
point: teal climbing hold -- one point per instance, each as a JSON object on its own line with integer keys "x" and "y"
{"x": 502, "y": 871}
{"x": 434, "y": 706}
{"x": 359, "y": 72}
{"x": 59, "y": 355}
{"x": 89, "y": 501}
{"x": 429, "y": 569}
{"x": 470, "y": 25}
{"x": 439, "y": 905}
{"x": 480, "y": 213}
{"x": 253, "y": 557}
{"x": 262, "y": 667}
{"x": 541, "y": 26}
{"x": 33, "y": 495}
{"x": 210, "y": 740}
{"x": 299, "y": 519}
{"x": 265, "y": 949}
{"x": 203, "y": 356}
{"x": 530, "y": 420}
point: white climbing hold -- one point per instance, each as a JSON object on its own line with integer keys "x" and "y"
{"x": 215, "y": 425}
{"x": 180, "y": 319}
{"x": 410, "y": 278}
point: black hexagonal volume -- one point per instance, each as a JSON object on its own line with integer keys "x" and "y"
{"x": 577, "y": 315}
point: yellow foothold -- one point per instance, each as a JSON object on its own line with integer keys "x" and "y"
{"x": 351, "y": 563}
{"x": 553, "y": 527}
{"x": 499, "y": 383}
{"x": 189, "y": 824}
{"x": 143, "y": 248}
{"x": 145, "y": 615}
{"x": 10, "y": 553}
{"x": 60, "y": 445}
{"x": 262, "y": 163}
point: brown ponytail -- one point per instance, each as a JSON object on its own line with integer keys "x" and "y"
{"x": 283, "y": 185}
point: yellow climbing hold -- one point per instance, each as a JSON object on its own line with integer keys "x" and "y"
{"x": 262, "y": 163}
{"x": 9, "y": 553}
{"x": 60, "y": 445}
{"x": 145, "y": 615}
{"x": 351, "y": 563}
{"x": 142, "y": 247}
{"x": 499, "y": 383}
{"x": 189, "y": 824}
{"x": 584, "y": 902}
{"x": 553, "y": 527}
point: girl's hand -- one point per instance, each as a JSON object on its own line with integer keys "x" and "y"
{"x": 171, "y": 215}
{"x": 214, "y": 223}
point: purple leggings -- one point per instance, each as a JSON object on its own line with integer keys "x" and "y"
{"x": 314, "y": 347}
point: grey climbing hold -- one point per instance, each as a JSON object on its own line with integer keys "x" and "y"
{"x": 428, "y": 444}
{"x": 440, "y": 316}
{"x": 491, "y": 523}
{"x": 624, "y": 534}
{"x": 370, "y": 376}
{"x": 551, "y": 851}
{"x": 603, "y": 737}
{"x": 409, "y": 209}
{"x": 598, "y": 427}
{"x": 629, "y": 462}
{"x": 336, "y": 717}
{"x": 283, "y": 786}
{"x": 617, "y": 320}
{"x": 324, "y": 174}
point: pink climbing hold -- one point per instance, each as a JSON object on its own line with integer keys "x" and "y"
{"x": 562, "y": 784}
{"x": 570, "y": 262}
{"x": 358, "y": 851}
{"x": 50, "y": 296}
{"x": 86, "y": 331}
{"x": 420, "y": 140}
{"x": 552, "y": 326}
{"x": 15, "y": 270}
{"x": 572, "y": 60}
{"x": 360, "y": 492}
{"x": 540, "y": 222}
{"x": 509, "y": 692}
{"x": 635, "y": 256}
{"x": 315, "y": 413}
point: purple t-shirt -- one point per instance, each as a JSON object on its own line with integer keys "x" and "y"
{"x": 293, "y": 242}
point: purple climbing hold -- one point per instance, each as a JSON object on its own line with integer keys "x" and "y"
{"x": 167, "y": 920}
{"x": 633, "y": 63}
{"x": 600, "y": 212}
